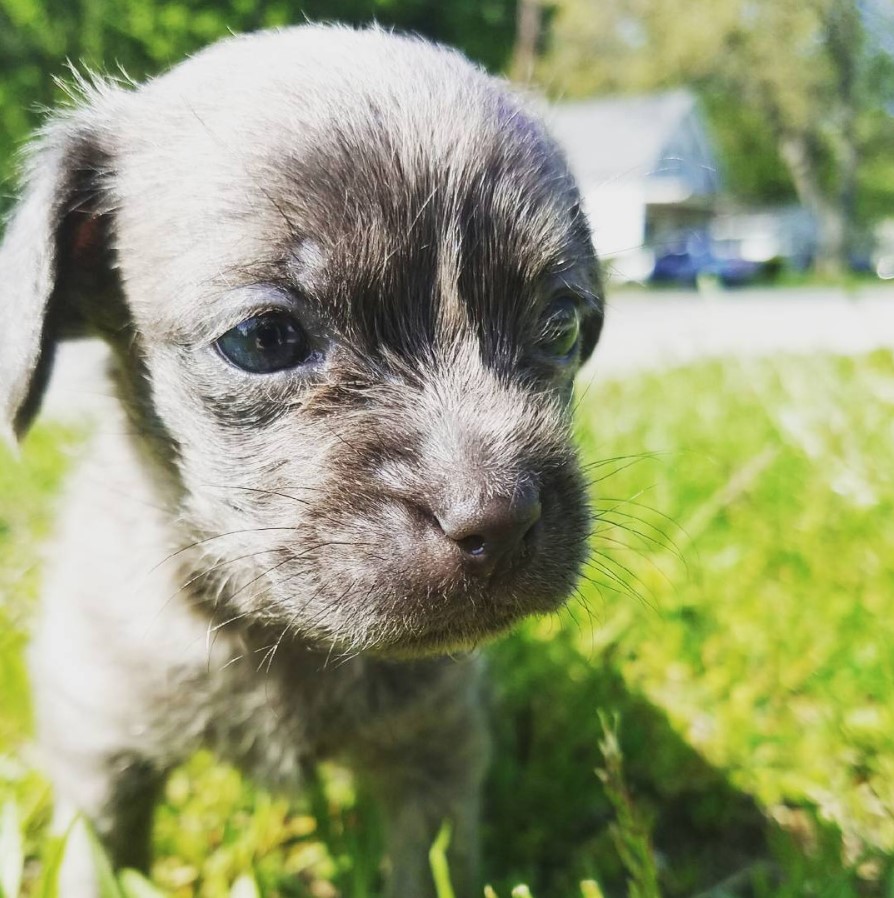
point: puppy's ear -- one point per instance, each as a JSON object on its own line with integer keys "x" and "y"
{"x": 54, "y": 254}
{"x": 590, "y": 332}
{"x": 591, "y": 327}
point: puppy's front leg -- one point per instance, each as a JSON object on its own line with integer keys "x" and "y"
{"x": 417, "y": 804}
{"x": 117, "y": 797}
{"x": 427, "y": 771}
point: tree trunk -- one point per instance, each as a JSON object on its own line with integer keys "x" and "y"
{"x": 528, "y": 22}
{"x": 831, "y": 216}
{"x": 844, "y": 42}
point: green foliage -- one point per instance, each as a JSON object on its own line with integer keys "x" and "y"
{"x": 38, "y": 38}
{"x": 748, "y": 152}
{"x": 742, "y": 631}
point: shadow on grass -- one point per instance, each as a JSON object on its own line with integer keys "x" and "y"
{"x": 548, "y": 817}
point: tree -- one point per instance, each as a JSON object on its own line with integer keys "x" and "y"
{"x": 143, "y": 37}
{"x": 812, "y": 75}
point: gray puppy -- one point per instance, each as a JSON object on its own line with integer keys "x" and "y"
{"x": 346, "y": 282}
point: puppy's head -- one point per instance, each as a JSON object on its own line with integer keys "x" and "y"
{"x": 348, "y": 284}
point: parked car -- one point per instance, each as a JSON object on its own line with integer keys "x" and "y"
{"x": 687, "y": 266}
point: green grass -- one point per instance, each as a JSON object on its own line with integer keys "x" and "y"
{"x": 737, "y": 620}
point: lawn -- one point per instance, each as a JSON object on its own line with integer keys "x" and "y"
{"x": 716, "y": 706}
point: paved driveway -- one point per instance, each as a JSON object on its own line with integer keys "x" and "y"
{"x": 644, "y": 330}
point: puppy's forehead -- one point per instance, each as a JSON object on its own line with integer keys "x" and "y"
{"x": 374, "y": 170}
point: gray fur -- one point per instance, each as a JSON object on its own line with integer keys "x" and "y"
{"x": 248, "y": 562}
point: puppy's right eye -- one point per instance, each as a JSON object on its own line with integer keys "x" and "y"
{"x": 265, "y": 343}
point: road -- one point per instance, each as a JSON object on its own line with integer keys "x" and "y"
{"x": 647, "y": 331}
{"x": 643, "y": 331}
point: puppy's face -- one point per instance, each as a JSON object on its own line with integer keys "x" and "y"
{"x": 357, "y": 286}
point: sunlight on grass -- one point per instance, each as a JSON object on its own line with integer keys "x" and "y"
{"x": 773, "y": 653}
{"x": 737, "y": 616}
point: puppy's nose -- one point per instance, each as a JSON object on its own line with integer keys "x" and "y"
{"x": 492, "y": 529}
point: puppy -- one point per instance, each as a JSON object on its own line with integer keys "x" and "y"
{"x": 346, "y": 282}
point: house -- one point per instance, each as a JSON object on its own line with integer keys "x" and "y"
{"x": 647, "y": 171}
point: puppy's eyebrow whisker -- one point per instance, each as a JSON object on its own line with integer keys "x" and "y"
{"x": 235, "y": 153}
{"x": 257, "y": 274}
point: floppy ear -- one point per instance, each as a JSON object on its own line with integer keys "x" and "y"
{"x": 591, "y": 327}
{"x": 590, "y": 332}
{"x": 54, "y": 252}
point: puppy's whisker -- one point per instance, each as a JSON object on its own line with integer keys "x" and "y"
{"x": 208, "y": 539}
{"x": 610, "y": 567}
{"x": 259, "y": 491}
{"x": 658, "y": 540}
{"x": 203, "y": 574}
{"x": 212, "y": 633}
{"x": 342, "y": 597}
{"x": 607, "y": 543}
{"x": 592, "y": 481}
{"x": 650, "y": 510}
{"x": 633, "y": 457}
{"x": 640, "y": 525}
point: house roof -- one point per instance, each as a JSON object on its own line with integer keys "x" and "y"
{"x": 636, "y": 138}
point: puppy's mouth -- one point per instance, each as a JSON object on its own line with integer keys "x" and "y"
{"x": 398, "y": 580}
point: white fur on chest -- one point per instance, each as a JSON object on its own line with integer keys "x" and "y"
{"x": 124, "y": 657}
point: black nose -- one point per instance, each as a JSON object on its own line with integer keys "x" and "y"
{"x": 488, "y": 530}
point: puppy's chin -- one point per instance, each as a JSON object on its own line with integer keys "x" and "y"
{"x": 460, "y": 636}
{"x": 453, "y": 624}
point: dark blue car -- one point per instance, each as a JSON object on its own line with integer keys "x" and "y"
{"x": 684, "y": 267}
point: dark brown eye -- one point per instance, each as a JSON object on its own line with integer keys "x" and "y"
{"x": 560, "y": 329}
{"x": 265, "y": 343}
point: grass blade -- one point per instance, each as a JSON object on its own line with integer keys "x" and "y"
{"x": 437, "y": 858}
{"x": 52, "y": 854}
{"x": 135, "y": 885}
{"x": 105, "y": 876}
{"x": 12, "y": 851}
{"x": 245, "y": 887}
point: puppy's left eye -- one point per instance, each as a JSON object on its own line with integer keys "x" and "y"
{"x": 265, "y": 343}
{"x": 560, "y": 330}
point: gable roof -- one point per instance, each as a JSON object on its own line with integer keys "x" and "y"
{"x": 636, "y": 138}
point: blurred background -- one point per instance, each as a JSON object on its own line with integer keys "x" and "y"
{"x": 714, "y": 713}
